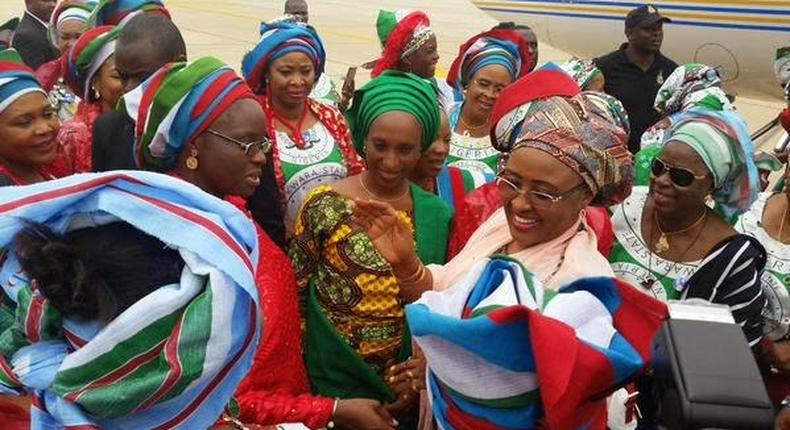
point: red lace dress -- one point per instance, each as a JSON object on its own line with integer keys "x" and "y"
{"x": 276, "y": 389}
{"x": 75, "y": 139}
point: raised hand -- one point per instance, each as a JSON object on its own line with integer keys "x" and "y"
{"x": 391, "y": 236}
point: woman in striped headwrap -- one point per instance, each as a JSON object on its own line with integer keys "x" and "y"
{"x": 90, "y": 72}
{"x": 672, "y": 244}
{"x": 354, "y": 318}
{"x": 119, "y": 12}
{"x": 200, "y": 122}
{"x": 312, "y": 144}
{"x": 28, "y": 124}
{"x": 68, "y": 22}
{"x": 486, "y": 64}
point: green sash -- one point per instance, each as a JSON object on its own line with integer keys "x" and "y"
{"x": 333, "y": 367}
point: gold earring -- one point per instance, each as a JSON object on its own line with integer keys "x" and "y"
{"x": 192, "y": 161}
{"x": 96, "y": 94}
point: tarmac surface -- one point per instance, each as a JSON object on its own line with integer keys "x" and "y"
{"x": 227, "y": 29}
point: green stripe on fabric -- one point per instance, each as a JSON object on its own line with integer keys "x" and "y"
{"x": 531, "y": 398}
{"x": 177, "y": 84}
{"x": 484, "y": 310}
{"x": 72, "y": 380}
{"x": 469, "y": 180}
{"x": 114, "y": 401}
{"x": 195, "y": 334}
{"x": 432, "y": 219}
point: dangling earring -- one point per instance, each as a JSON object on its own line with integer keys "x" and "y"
{"x": 192, "y": 161}
{"x": 96, "y": 94}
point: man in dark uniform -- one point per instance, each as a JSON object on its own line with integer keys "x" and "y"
{"x": 30, "y": 38}
{"x": 636, "y": 71}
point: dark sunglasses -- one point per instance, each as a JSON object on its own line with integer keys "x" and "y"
{"x": 679, "y": 176}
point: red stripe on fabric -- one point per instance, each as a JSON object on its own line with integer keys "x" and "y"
{"x": 75, "y": 341}
{"x": 7, "y": 370}
{"x": 236, "y": 94}
{"x": 462, "y": 421}
{"x": 7, "y": 66}
{"x": 570, "y": 372}
{"x": 207, "y": 224}
{"x": 202, "y": 221}
{"x": 120, "y": 372}
{"x": 457, "y": 185}
{"x": 189, "y": 410}
{"x": 36, "y": 402}
{"x": 172, "y": 358}
{"x": 148, "y": 97}
{"x": 212, "y": 92}
{"x": 65, "y": 191}
{"x": 639, "y": 318}
{"x": 35, "y": 312}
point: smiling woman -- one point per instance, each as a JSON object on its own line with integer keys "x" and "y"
{"x": 28, "y": 124}
{"x": 312, "y": 145}
{"x": 486, "y": 64}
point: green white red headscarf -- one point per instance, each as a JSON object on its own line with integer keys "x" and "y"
{"x": 16, "y": 79}
{"x": 583, "y": 71}
{"x": 401, "y": 33}
{"x": 119, "y": 12}
{"x": 69, "y": 10}
{"x": 87, "y": 56}
{"x": 176, "y": 105}
{"x": 689, "y": 86}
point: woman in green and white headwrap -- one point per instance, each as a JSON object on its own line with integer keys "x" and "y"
{"x": 355, "y": 318}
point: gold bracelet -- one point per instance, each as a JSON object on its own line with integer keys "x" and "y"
{"x": 416, "y": 276}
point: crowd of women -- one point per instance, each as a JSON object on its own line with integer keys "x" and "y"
{"x": 184, "y": 246}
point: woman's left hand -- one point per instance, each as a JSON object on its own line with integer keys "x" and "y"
{"x": 410, "y": 373}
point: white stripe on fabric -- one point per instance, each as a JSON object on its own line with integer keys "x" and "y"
{"x": 478, "y": 178}
{"x": 726, "y": 272}
{"x": 154, "y": 306}
{"x": 742, "y": 267}
{"x": 224, "y": 296}
{"x": 73, "y": 13}
{"x": 453, "y": 365}
{"x": 740, "y": 306}
{"x": 104, "y": 53}
{"x": 584, "y": 313}
{"x": 161, "y": 138}
{"x": 17, "y": 95}
{"x": 132, "y": 100}
{"x": 744, "y": 287}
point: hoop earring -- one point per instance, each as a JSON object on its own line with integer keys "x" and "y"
{"x": 192, "y": 161}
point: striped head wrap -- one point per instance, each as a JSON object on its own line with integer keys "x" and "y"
{"x": 690, "y": 86}
{"x": 87, "y": 56}
{"x": 394, "y": 91}
{"x": 401, "y": 33}
{"x": 69, "y": 10}
{"x": 276, "y": 41}
{"x": 721, "y": 138}
{"x": 16, "y": 79}
{"x": 176, "y": 356}
{"x": 497, "y": 344}
{"x": 176, "y": 105}
{"x": 547, "y": 112}
{"x": 119, "y": 12}
{"x": 610, "y": 108}
{"x": 506, "y": 48}
{"x": 583, "y": 71}
{"x": 782, "y": 65}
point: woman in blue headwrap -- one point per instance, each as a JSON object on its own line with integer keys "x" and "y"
{"x": 486, "y": 64}
{"x": 28, "y": 124}
{"x": 312, "y": 144}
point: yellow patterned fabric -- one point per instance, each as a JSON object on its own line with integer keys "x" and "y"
{"x": 354, "y": 284}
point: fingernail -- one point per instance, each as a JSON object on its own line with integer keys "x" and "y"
{"x": 392, "y": 379}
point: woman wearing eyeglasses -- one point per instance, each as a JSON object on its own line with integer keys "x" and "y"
{"x": 202, "y": 123}
{"x": 668, "y": 239}
{"x": 312, "y": 144}
{"x": 486, "y": 64}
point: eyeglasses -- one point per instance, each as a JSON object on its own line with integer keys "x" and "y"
{"x": 509, "y": 191}
{"x": 250, "y": 148}
{"x": 679, "y": 176}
